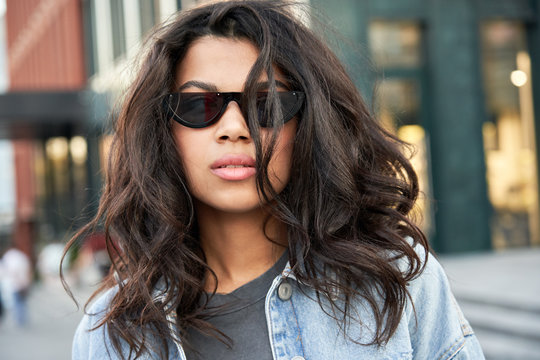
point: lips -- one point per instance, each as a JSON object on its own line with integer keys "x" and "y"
{"x": 234, "y": 167}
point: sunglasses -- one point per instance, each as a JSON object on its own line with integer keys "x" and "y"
{"x": 202, "y": 109}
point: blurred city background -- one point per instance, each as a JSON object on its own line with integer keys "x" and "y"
{"x": 459, "y": 79}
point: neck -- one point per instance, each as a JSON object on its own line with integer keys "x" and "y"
{"x": 239, "y": 247}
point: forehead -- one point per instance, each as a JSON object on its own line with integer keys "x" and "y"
{"x": 223, "y": 62}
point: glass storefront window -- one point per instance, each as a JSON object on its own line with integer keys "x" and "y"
{"x": 399, "y": 102}
{"x": 78, "y": 149}
{"x": 395, "y": 43}
{"x": 399, "y": 112}
{"x": 509, "y": 134}
{"x": 396, "y": 48}
{"x": 56, "y": 150}
{"x": 61, "y": 169}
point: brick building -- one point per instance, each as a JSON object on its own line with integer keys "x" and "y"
{"x": 46, "y": 81}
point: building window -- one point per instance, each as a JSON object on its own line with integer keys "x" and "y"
{"x": 395, "y": 44}
{"x": 89, "y": 32}
{"x": 509, "y": 141}
{"x": 117, "y": 27}
{"x": 396, "y": 49}
{"x": 149, "y": 12}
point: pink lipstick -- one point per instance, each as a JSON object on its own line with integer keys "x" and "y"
{"x": 234, "y": 167}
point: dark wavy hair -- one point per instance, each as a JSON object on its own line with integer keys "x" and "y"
{"x": 346, "y": 207}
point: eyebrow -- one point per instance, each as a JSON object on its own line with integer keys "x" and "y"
{"x": 211, "y": 87}
{"x": 198, "y": 84}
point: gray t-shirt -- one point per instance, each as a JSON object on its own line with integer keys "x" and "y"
{"x": 242, "y": 319}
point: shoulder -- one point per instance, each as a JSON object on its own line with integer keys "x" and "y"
{"x": 437, "y": 326}
{"x": 91, "y": 341}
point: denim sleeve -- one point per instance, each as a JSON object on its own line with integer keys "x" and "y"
{"x": 93, "y": 344}
{"x": 81, "y": 345}
{"x": 437, "y": 327}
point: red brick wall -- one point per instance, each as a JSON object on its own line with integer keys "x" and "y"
{"x": 45, "y": 52}
{"x": 45, "y": 45}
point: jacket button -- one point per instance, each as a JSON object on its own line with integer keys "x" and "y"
{"x": 298, "y": 358}
{"x": 285, "y": 293}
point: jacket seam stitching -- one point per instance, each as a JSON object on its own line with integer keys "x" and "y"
{"x": 269, "y": 319}
{"x": 453, "y": 349}
{"x": 298, "y": 327}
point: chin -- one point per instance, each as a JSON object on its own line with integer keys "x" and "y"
{"x": 231, "y": 204}
{"x": 239, "y": 206}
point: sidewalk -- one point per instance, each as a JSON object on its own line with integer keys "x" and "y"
{"x": 499, "y": 293}
{"x": 53, "y": 318}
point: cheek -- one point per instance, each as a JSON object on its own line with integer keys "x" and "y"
{"x": 181, "y": 142}
{"x": 280, "y": 165}
{"x": 189, "y": 145}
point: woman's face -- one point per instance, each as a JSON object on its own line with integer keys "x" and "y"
{"x": 219, "y": 160}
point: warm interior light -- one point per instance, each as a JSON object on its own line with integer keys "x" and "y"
{"x": 518, "y": 78}
{"x": 77, "y": 147}
{"x": 57, "y": 148}
{"x": 413, "y": 134}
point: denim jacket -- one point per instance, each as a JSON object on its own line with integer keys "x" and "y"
{"x": 299, "y": 329}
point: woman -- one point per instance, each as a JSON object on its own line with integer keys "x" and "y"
{"x": 254, "y": 209}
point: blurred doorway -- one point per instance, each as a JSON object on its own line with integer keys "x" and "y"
{"x": 509, "y": 134}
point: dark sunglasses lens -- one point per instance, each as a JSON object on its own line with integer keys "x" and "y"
{"x": 198, "y": 110}
{"x": 290, "y": 102}
{"x": 195, "y": 109}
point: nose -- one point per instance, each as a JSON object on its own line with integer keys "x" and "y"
{"x": 232, "y": 125}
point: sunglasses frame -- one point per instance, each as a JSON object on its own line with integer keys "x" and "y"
{"x": 227, "y": 98}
